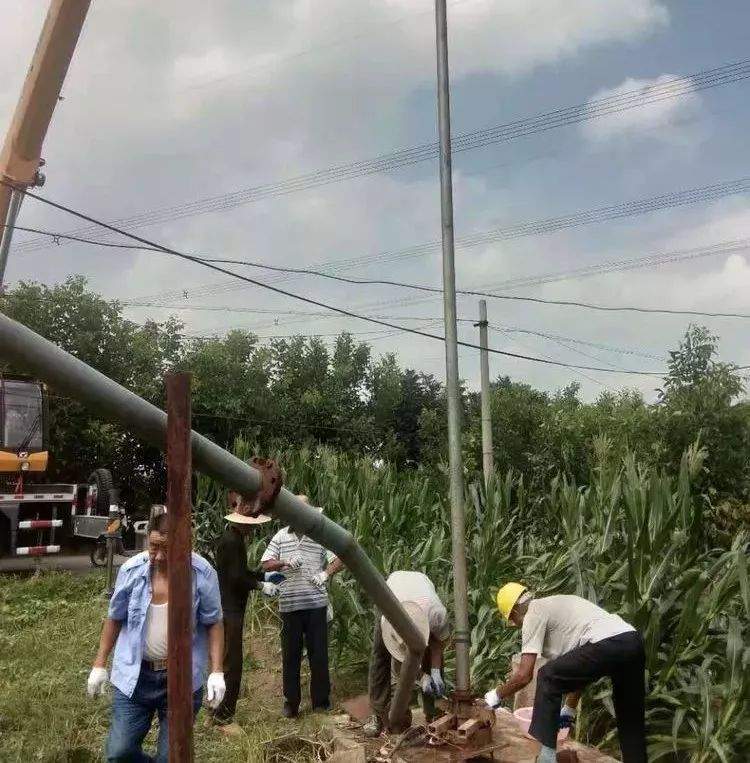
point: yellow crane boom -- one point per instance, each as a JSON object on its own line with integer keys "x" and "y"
{"x": 21, "y": 153}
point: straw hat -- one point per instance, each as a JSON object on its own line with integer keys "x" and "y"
{"x": 393, "y": 642}
{"x": 246, "y": 519}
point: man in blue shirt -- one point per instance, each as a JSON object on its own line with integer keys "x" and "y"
{"x": 136, "y": 626}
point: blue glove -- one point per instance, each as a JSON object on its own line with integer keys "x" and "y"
{"x": 438, "y": 685}
{"x": 275, "y": 577}
{"x": 567, "y": 718}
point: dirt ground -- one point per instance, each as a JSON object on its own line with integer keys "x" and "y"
{"x": 513, "y": 745}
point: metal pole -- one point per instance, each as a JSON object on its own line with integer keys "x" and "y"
{"x": 7, "y": 233}
{"x": 488, "y": 461}
{"x": 23, "y": 347}
{"x": 180, "y": 611}
{"x": 458, "y": 533}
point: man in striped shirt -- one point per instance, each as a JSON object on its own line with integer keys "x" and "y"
{"x": 303, "y": 604}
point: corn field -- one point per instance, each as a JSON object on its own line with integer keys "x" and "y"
{"x": 632, "y": 540}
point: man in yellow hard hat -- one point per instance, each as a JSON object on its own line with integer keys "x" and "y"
{"x": 583, "y": 643}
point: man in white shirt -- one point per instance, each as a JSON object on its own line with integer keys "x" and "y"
{"x": 583, "y": 643}
{"x": 136, "y": 628}
{"x": 303, "y": 604}
{"x": 419, "y": 598}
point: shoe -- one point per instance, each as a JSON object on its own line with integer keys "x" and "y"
{"x": 323, "y": 708}
{"x": 288, "y": 711}
{"x": 373, "y": 728}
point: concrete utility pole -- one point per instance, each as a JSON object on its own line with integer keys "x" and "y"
{"x": 180, "y": 574}
{"x": 488, "y": 459}
{"x": 458, "y": 532}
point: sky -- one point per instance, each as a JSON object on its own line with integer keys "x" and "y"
{"x": 169, "y": 103}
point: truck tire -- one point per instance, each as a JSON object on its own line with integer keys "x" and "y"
{"x": 100, "y": 485}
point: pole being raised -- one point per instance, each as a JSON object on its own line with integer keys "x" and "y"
{"x": 488, "y": 464}
{"x": 458, "y": 533}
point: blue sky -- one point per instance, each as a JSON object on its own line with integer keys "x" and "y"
{"x": 171, "y": 102}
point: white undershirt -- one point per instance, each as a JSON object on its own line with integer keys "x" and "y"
{"x": 155, "y": 647}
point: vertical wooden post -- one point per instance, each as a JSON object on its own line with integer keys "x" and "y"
{"x": 180, "y": 626}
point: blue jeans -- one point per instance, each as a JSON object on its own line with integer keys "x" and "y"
{"x": 132, "y": 717}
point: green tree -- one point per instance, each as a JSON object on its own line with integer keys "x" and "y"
{"x": 94, "y": 330}
{"x": 699, "y": 400}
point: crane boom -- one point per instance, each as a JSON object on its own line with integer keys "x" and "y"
{"x": 21, "y": 152}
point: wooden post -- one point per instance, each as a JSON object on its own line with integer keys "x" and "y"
{"x": 180, "y": 626}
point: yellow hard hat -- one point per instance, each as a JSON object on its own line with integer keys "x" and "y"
{"x": 507, "y": 597}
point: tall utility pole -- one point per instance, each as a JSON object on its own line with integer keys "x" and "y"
{"x": 458, "y": 532}
{"x": 20, "y": 155}
{"x": 488, "y": 461}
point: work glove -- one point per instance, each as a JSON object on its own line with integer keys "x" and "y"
{"x": 320, "y": 579}
{"x": 269, "y": 589}
{"x": 294, "y": 562}
{"x": 492, "y": 698}
{"x": 567, "y": 718}
{"x": 275, "y": 577}
{"x": 215, "y": 690}
{"x": 425, "y": 684}
{"x": 438, "y": 684}
{"x": 96, "y": 682}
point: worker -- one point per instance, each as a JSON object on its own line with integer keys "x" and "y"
{"x": 235, "y": 582}
{"x": 303, "y": 604}
{"x": 136, "y": 626}
{"x": 582, "y": 643}
{"x": 419, "y": 598}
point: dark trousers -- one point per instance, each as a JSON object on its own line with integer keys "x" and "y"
{"x": 233, "y": 629}
{"x": 380, "y": 677}
{"x": 311, "y": 627}
{"x": 621, "y": 658}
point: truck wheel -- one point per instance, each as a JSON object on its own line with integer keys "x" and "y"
{"x": 100, "y": 485}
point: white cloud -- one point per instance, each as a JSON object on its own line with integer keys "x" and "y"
{"x": 668, "y": 120}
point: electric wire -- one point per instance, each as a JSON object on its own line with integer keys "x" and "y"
{"x": 622, "y": 210}
{"x": 719, "y": 248}
{"x": 593, "y": 109}
{"x": 308, "y": 300}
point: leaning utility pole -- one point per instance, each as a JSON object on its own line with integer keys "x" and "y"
{"x": 458, "y": 533}
{"x": 488, "y": 464}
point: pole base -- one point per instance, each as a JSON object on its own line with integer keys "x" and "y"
{"x": 466, "y": 727}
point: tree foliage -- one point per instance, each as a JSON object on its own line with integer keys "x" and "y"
{"x": 300, "y": 390}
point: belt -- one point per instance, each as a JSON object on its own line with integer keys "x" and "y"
{"x": 157, "y": 666}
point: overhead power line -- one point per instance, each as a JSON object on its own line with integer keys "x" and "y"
{"x": 568, "y": 115}
{"x": 619, "y": 211}
{"x": 317, "y": 303}
{"x": 723, "y": 247}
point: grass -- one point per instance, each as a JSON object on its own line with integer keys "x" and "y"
{"x": 49, "y": 630}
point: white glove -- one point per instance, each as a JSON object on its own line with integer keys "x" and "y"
{"x": 492, "y": 698}
{"x": 425, "y": 684}
{"x": 320, "y": 579}
{"x": 294, "y": 562}
{"x": 215, "y": 689}
{"x": 438, "y": 684}
{"x": 96, "y": 682}
{"x": 269, "y": 589}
